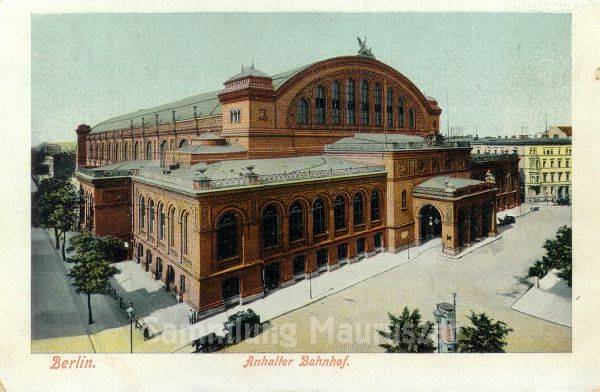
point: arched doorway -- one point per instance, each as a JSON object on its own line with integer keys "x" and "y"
{"x": 271, "y": 276}
{"x": 169, "y": 278}
{"x": 230, "y": 291}
{"x": 430, "y": 223}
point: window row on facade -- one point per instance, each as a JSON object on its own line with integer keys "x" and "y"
{"x": 160, "y": 221}
{"x": 118, "y": 152}
{"x": 228, "y": 226}
{"x": 344, "y": 108}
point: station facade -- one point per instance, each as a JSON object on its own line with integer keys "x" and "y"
{"x": 225, "y": 195}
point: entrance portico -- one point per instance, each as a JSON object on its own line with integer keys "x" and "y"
{"x": 460, "y": 210}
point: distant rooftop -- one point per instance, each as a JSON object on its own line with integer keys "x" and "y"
{"x": 513, "y": 141}
{"x": 369, "y": 142}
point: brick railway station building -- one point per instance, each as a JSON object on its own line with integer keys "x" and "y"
{"x": 275, "y": 178}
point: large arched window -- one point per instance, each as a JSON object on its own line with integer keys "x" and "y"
{"x": 302, "y": 112}
{"x": 183, "y": 143}
{"x": 358, "y": 209}
{"x": 227, "y": 236}
{"x": 339, "y": 212}
{"x": 149, "y": 151}
{"x": 403, "y": 199}
{"x": 411, "y": 118}
{"x": 390, "y": 108}
{"x": 320, "y": 105}
{"x": 270, "y": 226}
{"x": 136, "y": 151}
{"x": 125, "y": 151}
{"x": 151, "y": 216}
{"x": 319, "y": 217}
{"x": 378, "y": 104}
{"x": 400, "y": 112}
{"x": 142, "y": 213}
{"x": 109, "y": 151}
{"x": 364, "y": 102}
{"x": 117, "y": 156}
{"x": 162, "y": 150}
{"x": 296, "y": 222}
{"x": 184, "y": 232}
{"x": 350, "y": 102}
{"x": 161, "y": 221}
{"x": 335, "y": 102}
{"x": 375, "y": 205}
{"x": 171, "y": 225}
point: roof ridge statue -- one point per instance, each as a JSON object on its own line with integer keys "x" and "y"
{"x": 363, "y": 50}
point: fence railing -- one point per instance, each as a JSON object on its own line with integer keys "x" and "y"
{"x": 392, "y": 146}
{"x": 95, "y": 173}
{"x": 123, "y": 304}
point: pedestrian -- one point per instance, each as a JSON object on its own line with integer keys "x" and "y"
{"x": 191, "y": 316}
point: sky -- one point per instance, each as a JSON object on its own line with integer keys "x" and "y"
{"x": 492, "y": 74}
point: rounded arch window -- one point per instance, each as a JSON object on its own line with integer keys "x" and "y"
{"x": 319, "y": 217}
{"x": 358, "y": 209}
{"x": 364, "y": 102}
{"x": 320, "y": 105}
{"x": 151, "y": 216}
{"x": 149, "y": 151}
{"x": 270, "y": 226}
{"x": 183, "y": 143}
{"x": 400, "y": 112}
{"x": 335, "y": 102}
{"x": 375, "y": 205}
{"x": 339, "y": 212}
{"x": 142, "y": 212}
{"x": 302, "y": 112}
{"x": 227, "y": 236}
{"x": 296, "y": 222}
{"x": 350, "y": 102}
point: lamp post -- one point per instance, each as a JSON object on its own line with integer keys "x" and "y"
{"x": 126, "y": 246}
{"x": 131, "y": 316}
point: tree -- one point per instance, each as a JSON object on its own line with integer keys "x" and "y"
{"x": 92, "y": 271}
{"x": 54, "y": 205}
{"x": 408, "y": 334}
{"x": 558, "y": 255}
{"x": 485, "y": 336}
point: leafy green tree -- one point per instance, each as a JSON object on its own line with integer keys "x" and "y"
{"x": 408, "y": 334}
{"x": 54, "y": 205}
{"x": 558, "y": 255}
{"x": 485, "y": 336}
{"x": 92, "y": 271}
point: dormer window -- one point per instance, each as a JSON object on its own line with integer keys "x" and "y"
{"x": 235, "y": 115}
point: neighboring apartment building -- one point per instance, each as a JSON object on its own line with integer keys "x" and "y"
{"x": 275, "y": 178}
{"x": 545, "y": 165}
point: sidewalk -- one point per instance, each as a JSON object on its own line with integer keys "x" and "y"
{"x": 551, "y": 301}
{"x": 171, "y": 323}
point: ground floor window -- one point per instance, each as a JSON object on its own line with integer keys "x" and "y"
{"x": 360, "y": 245}
{"x": 298, "y": 265}
{"x": 230, "y": 288}
{"x": 342, "y": 251}
{"x": 377, "y": 240}
{"x": 321, "y": 258}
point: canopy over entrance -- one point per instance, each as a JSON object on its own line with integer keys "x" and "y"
{"x": 465, "y": 207}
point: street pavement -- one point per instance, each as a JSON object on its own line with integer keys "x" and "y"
{"x": 489, "y": 278}
{"x": 550, "y": 301}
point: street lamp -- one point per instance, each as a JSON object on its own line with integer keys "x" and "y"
{"x": 131, "y": 317}
{"x": 126, "y": 246}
